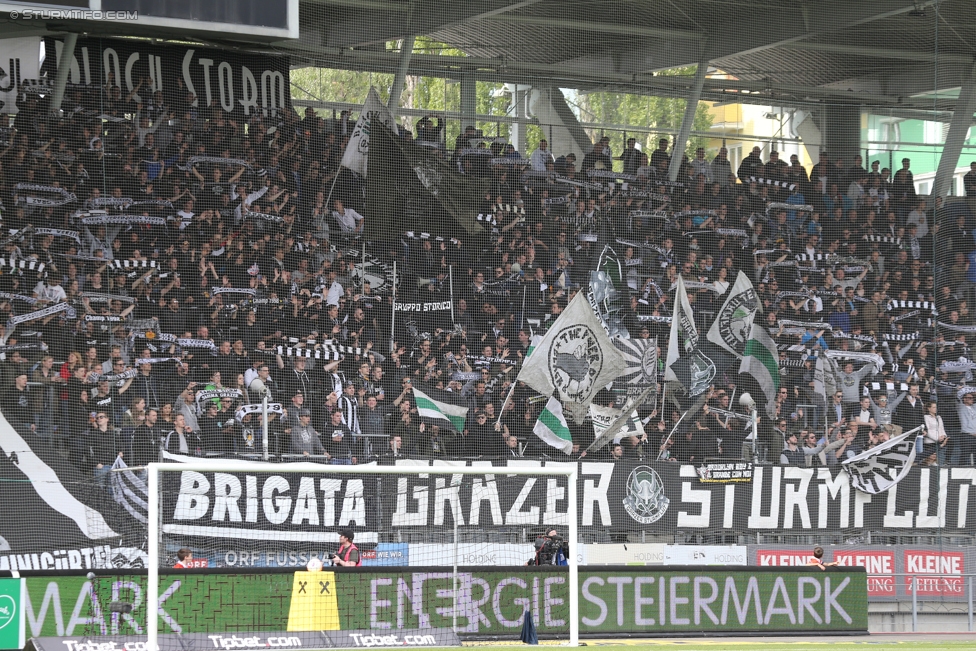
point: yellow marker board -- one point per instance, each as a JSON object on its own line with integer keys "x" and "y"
{"x": 313, "y": 602}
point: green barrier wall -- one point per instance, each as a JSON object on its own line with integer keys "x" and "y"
{"x": 613, "y": 601}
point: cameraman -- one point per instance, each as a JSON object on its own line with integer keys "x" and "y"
{"x": 551, "y": 550}
{"x": 348, "y": 554}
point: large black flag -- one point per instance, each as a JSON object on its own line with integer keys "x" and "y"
{"x": 409, "y": 184}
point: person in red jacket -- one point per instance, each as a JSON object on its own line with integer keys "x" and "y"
{"x": 185, "y": 557}
{"x": 348, "y": 554}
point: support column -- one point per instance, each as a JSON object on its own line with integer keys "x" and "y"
{"x": 518, "y": 104}
{"x": 842, "y": 132}
{"x": 962, "y": 119}
{"x": 406, "y": 51}
{"x": 64, "y": 65}
{"x": 469, "y": 100}
{"x": 688, "y": 120}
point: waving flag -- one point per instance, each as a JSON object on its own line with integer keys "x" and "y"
{"x": 552, "y": 429}
{"x": 357, "y": 151}
{"x": 686, "y": 364}
{"x": 878, "y": 469}
{"x": 129, "y": 490}
{"x": 761, "y": 360}
{"x": 440, "y": 412}
{"x": 730, "y": 330}
{"x": 574, "y": 360}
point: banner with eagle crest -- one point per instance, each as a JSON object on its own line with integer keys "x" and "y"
{"x": 574, "y": 360}
{"x": 732, "y": 324}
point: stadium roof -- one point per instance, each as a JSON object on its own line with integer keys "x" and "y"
{"x": 879, "y": 53}
{"x": 904, "y": 55}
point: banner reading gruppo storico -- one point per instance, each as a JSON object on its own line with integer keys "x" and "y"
{"x": 241, "y": 84}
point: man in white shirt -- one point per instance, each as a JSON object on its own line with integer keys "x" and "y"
{"x": 349, "y": 220}
{"x": 186, "y": 215}
{"x": 246, "y": 200}
{"x": 855, "y": 191}
{"x": 701, "y": 166}
{"x": 49, "y": 290}
{"x": 920, "y": 219}
{"x": 541, "y": 156}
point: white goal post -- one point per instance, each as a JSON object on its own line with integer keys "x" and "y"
{"x": 155, "y": 511}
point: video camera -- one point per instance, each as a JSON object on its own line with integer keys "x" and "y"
{"x": 547, "y": 550}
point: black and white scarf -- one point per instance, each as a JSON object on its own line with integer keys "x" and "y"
{"x": 732, "y": 232}
{"x": 96, "y": 220}
{"x": 108, "y": 202}
{"x": 59, "y": 232}
{"x": 903, "y": 337}
{"x": 273, "y": 408}
{"x": 958, "y": 328}
{"x": 789, "y": 206}
{"x": 98, "y": 297}
{"x": 19, "y": 297}
{"x": 895, "y": 304}
{"x": 132, "y": 264}
{"x": 42, "y": 313}
{"x": 22, "y": 264}
{"x": 94, "y": 377}
{"x": 883, "y": 239}
{"x": 330, "y": 352}
{"x": 197, "y": 343}
{"x": 156, "y": 360}
{"x": 233, "y": 290}
{"x": 45, "y": 196}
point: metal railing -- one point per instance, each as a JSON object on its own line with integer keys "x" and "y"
{"x": 915, "y": 577}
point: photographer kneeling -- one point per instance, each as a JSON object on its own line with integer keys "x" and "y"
{"x": 551, "y": 550}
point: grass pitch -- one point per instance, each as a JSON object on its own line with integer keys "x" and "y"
{"x": 758, "y": 645}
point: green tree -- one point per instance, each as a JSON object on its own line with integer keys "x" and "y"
{"x": 437, "y": 95}
{"x": 652, "y": 112}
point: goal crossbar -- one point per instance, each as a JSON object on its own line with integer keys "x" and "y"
{"x": 153, "y": 471}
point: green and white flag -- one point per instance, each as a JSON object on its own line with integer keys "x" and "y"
{"x": 438, "y": 412}
{"x": 533, "y": 344}
{"x": 686, "y": 364}
{"x": 552, "y": 429}
{"x": 733, "y": 321}
{"x": 574, "y": 360}
{"x": 761, "y": 360}
{"x": 357, "y": 151}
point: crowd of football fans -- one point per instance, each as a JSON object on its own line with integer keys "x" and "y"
{"x": 176, "y": 253}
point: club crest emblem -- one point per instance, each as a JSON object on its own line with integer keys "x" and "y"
{"x": 575, "y": 361}
{"x": 645, "y": 502}
{"x": 736, "y": 317}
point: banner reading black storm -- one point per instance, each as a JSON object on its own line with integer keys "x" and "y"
{"x": 241, "y": 84}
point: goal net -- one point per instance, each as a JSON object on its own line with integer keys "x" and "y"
{"x": 413, "y": 554}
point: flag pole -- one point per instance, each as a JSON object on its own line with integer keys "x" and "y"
{"x": 670, "y": 434}
{"x": 505, "y": 404}
{"x": 393, "y": 311}
{"x": 328, "y": 201}
{"x": 450, "y": 280}
{"x": 362, "y": 280}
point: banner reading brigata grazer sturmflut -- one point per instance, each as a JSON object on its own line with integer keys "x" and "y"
{"x": 301, "y": 510}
